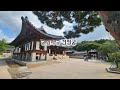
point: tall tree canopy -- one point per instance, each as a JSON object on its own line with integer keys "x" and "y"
{"x": 86, "y": 46}
{"x": 102, "y": 45}
{"x": 4, "y": 46}
{"x": 84, "y": 21}
{"x": 109, "y": 47}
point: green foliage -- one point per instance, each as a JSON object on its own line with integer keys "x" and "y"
{"x": 86, "y": 46}
{"x": 104, "y": 46}
{"x": 10, "y": 46}
{"x": 101, "y": 41}
{"x": 0, "y": 53}
{"x": 2, "y": 45}
{"x": 114, "y": 56}
{"x": 90, "y": 45}
{"x": 111, "y": 50}
{"x": 85, "y": 21}
{"x": 108, "y": 47}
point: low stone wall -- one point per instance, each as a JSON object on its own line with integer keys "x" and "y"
{"x": 79, "y": 57}
{"x": 5, "y": 58}
{"x": 22, "y": 63}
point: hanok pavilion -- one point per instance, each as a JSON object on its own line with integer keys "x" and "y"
{"x": 28, "y": 43}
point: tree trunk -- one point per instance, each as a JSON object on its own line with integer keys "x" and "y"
{"x": 111, "y": 21}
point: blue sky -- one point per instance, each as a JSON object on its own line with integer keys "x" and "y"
{"x": 10, "y": 27}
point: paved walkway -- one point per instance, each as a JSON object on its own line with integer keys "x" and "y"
{"x": 4, "y": 74}
{"x": 74, "y": 69}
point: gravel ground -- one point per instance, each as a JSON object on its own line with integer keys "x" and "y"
{"x": 4, "y": 74}
{"x": 22, "y": 72}
{"x": 74, "y": 69}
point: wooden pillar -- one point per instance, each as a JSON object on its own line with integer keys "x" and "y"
{"x": 16, "y": 50}
{"x": 25, "y": 47}
{"x": 40, "y": 56}
{"x": 20, "y": 56}
{"x": 37, "y": 45}
{"x": 33, "y": 56}
{"x": 32, "y": 45}
{"x": 64, "y": 52}
{"x": 23, "y": 56}
{"x": 40, "y": 45}
{"x": 29, "y": 45}
{"x": 46, "y": 56}
{"x": 19, "y": 50}
{"x": 26, "y": 56}
{"x": 49, "y": 51}
{"x": 45, "y": 47}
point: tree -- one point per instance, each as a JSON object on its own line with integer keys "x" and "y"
{"x": 86, "y": 46}
{"x": 110, "y": 49}
{"x": 84, "y": 21}
{"x": 115, "y": 57}
{"x": 111, "y": 21}
{"x": 101, "y": 41}
{"x": 2, "y": 45}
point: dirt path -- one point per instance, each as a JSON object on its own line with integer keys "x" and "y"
{"x": 74, "y": 69}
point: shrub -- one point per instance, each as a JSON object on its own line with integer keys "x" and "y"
{"x": 114, "y": 56}
{"x": 111, "y": 57}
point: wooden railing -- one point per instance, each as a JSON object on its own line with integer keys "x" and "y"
{"x": 33, "y": 51}
{"x": 39, "y": 51}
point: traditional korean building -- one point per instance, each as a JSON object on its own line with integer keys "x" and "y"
{"x": 28, "y": 43}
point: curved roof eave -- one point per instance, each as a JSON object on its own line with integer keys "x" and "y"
{"x": 25, "y": 20}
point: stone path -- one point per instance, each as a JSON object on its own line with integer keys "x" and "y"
{"x": 74, "y": 69}
{"x": 4, "y": 74}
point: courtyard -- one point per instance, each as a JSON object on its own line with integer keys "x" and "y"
{"x": 74, "y": 69}
{"x": 69, "y": 68}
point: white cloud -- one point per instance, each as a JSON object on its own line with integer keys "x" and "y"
{"x": 12, "y": 19}
{"x": 99, "y": 33}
